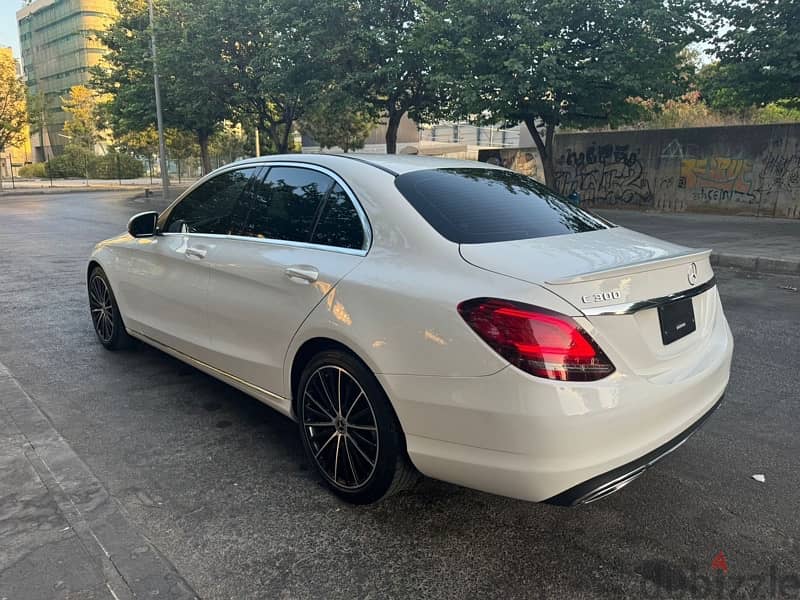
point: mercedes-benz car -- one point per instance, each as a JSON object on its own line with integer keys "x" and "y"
{"x": 420, "y": 315}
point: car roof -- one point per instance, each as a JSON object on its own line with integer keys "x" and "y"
{"x": 395, "y": 164}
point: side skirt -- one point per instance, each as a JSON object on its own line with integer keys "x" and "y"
{"x": 279, "y": 403}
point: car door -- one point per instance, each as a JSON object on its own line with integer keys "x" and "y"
{"x": 297, "y": 231}
{"x": 166, "y": 281}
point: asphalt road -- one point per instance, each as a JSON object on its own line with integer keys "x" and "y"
{"x": 219, "y": 486}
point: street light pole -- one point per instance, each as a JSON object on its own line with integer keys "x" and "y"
{"x": 162, "y": 147}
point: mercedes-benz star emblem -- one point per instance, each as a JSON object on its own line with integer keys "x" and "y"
{"x": 692, "y": 273}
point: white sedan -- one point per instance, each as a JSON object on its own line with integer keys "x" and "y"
{"x": 426, "y": 315}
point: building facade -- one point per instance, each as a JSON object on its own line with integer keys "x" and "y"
{"x": 59, "y": 46}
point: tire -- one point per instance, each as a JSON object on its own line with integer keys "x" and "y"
{"x": 359, "y": 449}
{"x": 104, "y": 311}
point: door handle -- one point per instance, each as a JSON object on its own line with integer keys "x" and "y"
{"x": 196, "y": 252}
{"x": 303, "y": 272}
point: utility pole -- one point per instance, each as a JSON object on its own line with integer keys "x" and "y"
{"x": 162, "y": 147}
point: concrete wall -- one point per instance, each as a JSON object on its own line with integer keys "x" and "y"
{"x": 743, "y": 169}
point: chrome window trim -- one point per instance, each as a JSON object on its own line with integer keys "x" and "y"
{"x": 362, "y": 215}
{"x": 632, "y": 307}
{"x": 272, "y": 242}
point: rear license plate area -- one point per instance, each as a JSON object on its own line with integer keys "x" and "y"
{"x": 676, "y": 320}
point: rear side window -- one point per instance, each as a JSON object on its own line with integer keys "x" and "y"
{"x": 285, "y": 204}
{"x": 476, "y": 206}
{"x": 339, "y": 224}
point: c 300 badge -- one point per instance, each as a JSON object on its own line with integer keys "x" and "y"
{"x": 601, "y": 297}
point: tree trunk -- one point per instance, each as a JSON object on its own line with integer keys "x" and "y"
{"x": 545, "y": 148}
{"x": 277, "y": 138}
{"x": 392, "y": 126}
{"x": 284, "y": 147}
{"x": 205, "y": 159}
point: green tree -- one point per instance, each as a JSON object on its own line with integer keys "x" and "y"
{"x": 142, "y": 143}
{"x": 278, "y": 56}
{"x": 759, "y": 55}
{"x": 126, "y": 71}
{"x": 195, "y": 95}
{"x": 13, "y": 112}
{"x": 565, "y": 62}
{"x": 37, "y": 116}
{"x": 81, "y": 104}
{"x": 337, "y": 120}
{"x": 181, "y": 145}
{"x": 229, "y": 143}
{"x": 392, "y": 65}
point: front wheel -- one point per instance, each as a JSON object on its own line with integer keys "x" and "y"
{"x": 106, "y": 318}
{"x": 350, "y": 431}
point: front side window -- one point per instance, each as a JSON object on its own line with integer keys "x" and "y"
{"x": 478, "y": 205}
{"x": 208, "y": 208}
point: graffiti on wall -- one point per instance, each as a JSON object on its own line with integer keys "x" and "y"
{"x": 742, "y": 169}
{"x": 607, "y": 174}
{"x": 718, "y": 180}
{"x": 780, "y": 172}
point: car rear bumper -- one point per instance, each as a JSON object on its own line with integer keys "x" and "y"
{"x": 613, "y": 481}
{"x": 519, "y": 436}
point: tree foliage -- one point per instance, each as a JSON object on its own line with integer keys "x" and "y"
{"x": 195, "y": 97}
{"x": 229, "y": 143}
{"x": 82, "y": 106}
{"x": 759, "y": 55}
{"x": 397, "y": 66}
{"x": 337, "y": 121}
{"x": 567, "y": 62}
{"x": 13, "y": 112}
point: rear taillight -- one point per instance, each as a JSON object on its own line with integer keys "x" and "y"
{"x": 538, "y": 341}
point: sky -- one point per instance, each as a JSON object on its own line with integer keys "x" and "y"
{"x": 9, "y": 35}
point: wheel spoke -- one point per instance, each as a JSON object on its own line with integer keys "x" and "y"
{"x": 326, "y": 392}
{"x": 336, "y": 458}
{"x": 360, "y": 395}
{"x": 319, "y": 424}
{"x": 350, "y": 461}
{"x": 363, "y": 427}
{"x": 333, "y": 435}
{"x": 361, "y": 452}
{"x": 360, "y": 414}
{"x": 359, "y": 437}
{"x": 339, "y": 390}
{"x": 321, "y": 408}
{"x": 107, "y": 326}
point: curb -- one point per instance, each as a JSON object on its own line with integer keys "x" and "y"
{"x": 48, "y": 191}
{"x": 758, "y": 264}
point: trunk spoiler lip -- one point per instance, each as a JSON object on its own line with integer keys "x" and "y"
{"x": 634, "y": 267}
{"x": 633, "y": 307}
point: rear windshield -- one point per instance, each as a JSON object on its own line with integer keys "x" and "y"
{"x": 476, "y": 206}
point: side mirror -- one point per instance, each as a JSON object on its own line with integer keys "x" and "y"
{"x": 143, "y": 224}
{"x": 574, "y": 198}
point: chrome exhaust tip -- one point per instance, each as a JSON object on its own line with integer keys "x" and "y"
{"x": 609, "y": 488}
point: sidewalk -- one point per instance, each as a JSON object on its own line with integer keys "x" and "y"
{"x": 64, "y": 536}
{"x": 752, "y": 243}
{"x": 25, "y": 187}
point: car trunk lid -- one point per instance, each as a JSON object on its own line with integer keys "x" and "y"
{"x": 617, "y": 279}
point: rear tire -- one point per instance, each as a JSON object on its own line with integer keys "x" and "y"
{"x": 106, "y": 318}
{"x": 349, "y": 430}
